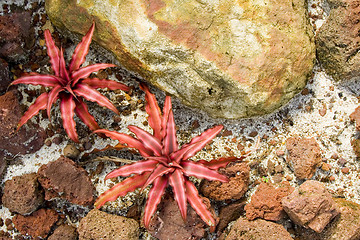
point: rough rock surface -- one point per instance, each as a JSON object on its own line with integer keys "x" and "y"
{"x": 344, "y": 227}
{"x": 229, "y": 213}
{"x": 22, "y": 194}
{"x": 266, "y": 202}
{"x": 100, "y": 225}
{"x": 16, "y": 35}
{"x": 38, "y": 224}
{"x": 355, "y": 117}
{"x": 311, "y": 206}
{"x": 232, "y": 59}
{"x": 304, "y": 156}
{"x": 238, "y": 174}
{"x": 5, "y": 79}
{"x": 258, "y": 229}
{"x": 26, "y": 140}
{"x": 64, "y": 232}
{"x": 63, "y": 179}
{"x": 169, "y": 225}
{"x": 337, "y": 41}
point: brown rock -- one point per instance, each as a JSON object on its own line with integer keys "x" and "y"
{"x": 22, "y": 194}
{"x": 71, "y": 151}
{"x": 169, "y": 225}
{"x": 344, "y": 227}
{"x": 238, "y": 174}
{"x": 63, "y": 179}
{"x": 266, "y": 202}
{"x": 338, "y": 41}
{"x": 311, "y": 206}
{"x": 38, "y": 224}
{"x": 26, "y": 140}
{"x": 64, "y": 232}
{"x": 5, "y": 79}
{"x": 355, "y": 143}
{"x": 98, "y": 225}
{"x": 355, "y": 117}
{"x": 304, "y": 156}
{"x": 229, "y": 213}
{"x": 16, "y": 35}
{"x": 259, "y": 229}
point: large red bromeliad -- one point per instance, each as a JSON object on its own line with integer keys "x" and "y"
{"x": 70, "y": 85}
{"x": 164, "y": 163}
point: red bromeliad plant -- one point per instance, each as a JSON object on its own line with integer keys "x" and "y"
{"x": 70, "y": 85}
{"x": 164, "y": 163}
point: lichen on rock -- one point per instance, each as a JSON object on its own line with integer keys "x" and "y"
{"x": 232, "y": 59}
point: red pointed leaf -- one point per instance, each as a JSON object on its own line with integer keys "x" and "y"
{"x": 221, "y": 162}
{"x": 198, "y": 205}
{"x": 177, "y": 181}
{"x": 152, "y": 108}
{"x": 121, "y": 189}
{"x": 81, "y": 50}
{"x": 130, "y": 141}
{"x": 67, "y": 106}
{"x": 53, "y": 52}
{"x": 82, "y": 112}
{"x": 170, "y": 140}
{"x": 160, "y": 159}
{"x": 86, "y": 71}
{"x": 39, "y": 104}
{"x": 206, "y": 136}
{"x": 159, "y": 171}
{"x": 90, "y": 94}
{"x": 62, "y": 67}
{"x": 165, "y": 118}
{"x": 154, "y": 198}
{"x": 53, "y": 95}
{"x": 134, "y": 168}
{"x": 37, "y": 79}
{"x": 147, "y": 139}
{"x": 200, "y": 171}
{"x": 105, "y": 83}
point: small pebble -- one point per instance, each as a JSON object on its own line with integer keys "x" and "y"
{"x": 322, "y": 112}
{"x": 325, "y": 167}
{"x": 345, "y": 170}
{"x": 48, "y": 142}
{"x": 253, "y": 134}
{"x": 331, "y": 178}
{"x": 71, "y": 151}
{"x": 341, "y": 161}
{"x": 280, "y": 153}
{"x": 289, "y": 178}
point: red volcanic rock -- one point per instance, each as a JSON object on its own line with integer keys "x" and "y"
{"x": 169, "y": 225}
{"x": 229, "y": 213}
{"x": 22, "y": 194}
{"x": 101, "y": 225}
{"x": 38, "y": 224}
{"x": 311, "y": 206}
{"x": 258, "y": 230}
{"x": 63, "y": 179}
{"x": 304, "y": 156}
{"x": 266, "y": 202}
{"x": 238, "y": 174}
{"x": 64, "y": 232}
{"x": 5, "y": 79}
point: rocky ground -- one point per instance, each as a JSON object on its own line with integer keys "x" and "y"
{"x": 301, "y": 182}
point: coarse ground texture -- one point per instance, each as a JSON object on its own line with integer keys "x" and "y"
{"x": 322, "y": 110}
{"x": 101, "y": 225}
{"x": 231, "y": 59}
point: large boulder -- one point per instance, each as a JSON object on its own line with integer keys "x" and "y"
{"x": 232, "y": 59}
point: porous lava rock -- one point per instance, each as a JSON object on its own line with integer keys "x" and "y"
{"x": 266, "y": 201}
{"x": 64, "y": 232}
{"x": 5, "y": 79}
{"x": 22, "y": 194}
{"x": 12, "y": 142}
{"x": 64, "y": 179}
{"x": 304, "y": 156}
{"x": 338, "y": 41}
{"x": 235, "y": 188}
{"x": 168, "y": 224}
{"x": 258, "y": 229}
{"x": 100, "y": 225}
{"x": 232, "y": 59}
{"x": 229, "y": 213}
{"x": 38, "y": 224}
{"x": 16, "y": 35}
{"x": 355, "y": 117}
{"x": 311, "y": 206}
